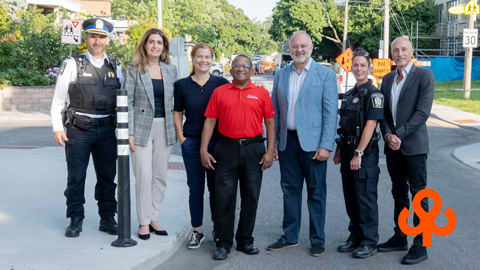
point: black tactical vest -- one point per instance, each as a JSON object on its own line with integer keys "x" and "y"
{"x": 95, "y": 90}
{"x": 353, "y": 112}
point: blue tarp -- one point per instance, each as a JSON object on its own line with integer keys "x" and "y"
{"x": 451, "y": 68}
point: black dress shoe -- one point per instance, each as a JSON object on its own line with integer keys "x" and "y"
{"x": 249, "y": 249}
{"x": 317, "y": 250}
{"x": 363, "y": 252}
{"x": 280, "y": 244}
{"x": 108, "y": 225}
{"x": 396, "y": 243}
{"x": 347, "y": 246}
{"x": 220, "y": 253}
{"x": 75, "y": 227}
{"x": 416, "y": 254}
{"x": 158, "y": 232}
{"x": 143, "y": 236}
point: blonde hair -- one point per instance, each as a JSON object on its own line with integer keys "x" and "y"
{"x": 140, "y": 54}
{"x": 195, "y": 48}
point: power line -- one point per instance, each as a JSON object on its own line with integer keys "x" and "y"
{"x": 395, "y": 20}
{"x": 403, "y": 18}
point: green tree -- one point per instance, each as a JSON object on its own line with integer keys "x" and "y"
{"x": 37, "y": 47}
{"x": 4, "y": 20}
{"x": 323, "y": 20}
{"x": 318, "y": 18}
{"x": 216, "y": 22}
{"x": 366, "y": 25}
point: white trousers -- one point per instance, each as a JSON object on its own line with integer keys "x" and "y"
{"x": 150, "y": 164}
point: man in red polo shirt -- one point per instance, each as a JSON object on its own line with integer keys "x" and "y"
{"x": 239, "y": 154}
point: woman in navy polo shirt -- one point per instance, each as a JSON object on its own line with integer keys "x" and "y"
{"x": 191, "y": 96}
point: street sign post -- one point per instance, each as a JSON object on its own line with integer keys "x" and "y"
{"x": 381, "y": 67}
{"x": 179, "y": 48}
{"x": 71, "y": 32}
{"x": 345, "y": 61}
{"x": 470, "y": 38}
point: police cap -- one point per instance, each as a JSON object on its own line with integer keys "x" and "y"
{"x": 97, "y": 26}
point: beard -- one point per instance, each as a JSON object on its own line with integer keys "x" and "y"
{"x": 301, "y": 59}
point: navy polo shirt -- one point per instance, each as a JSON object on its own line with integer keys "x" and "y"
{"x": 192, "y": 99}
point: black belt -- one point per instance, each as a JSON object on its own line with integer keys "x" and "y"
{"x": 87, "y": 122}
{"x": 243, "y": 141}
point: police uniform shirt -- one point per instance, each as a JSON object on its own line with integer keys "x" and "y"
{"x": 375, "y": 103}
{"x": 68, "y": 74}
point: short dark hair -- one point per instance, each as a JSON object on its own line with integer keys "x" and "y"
{"x": 244, "y": 56}
{"x": 361, "y": 52}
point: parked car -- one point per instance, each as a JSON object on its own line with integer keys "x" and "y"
{"x": 216, "y": 69}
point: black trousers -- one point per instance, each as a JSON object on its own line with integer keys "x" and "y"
{"x": 101, "y": 143}
{"x": 360, "y": 193}
{"x": 236, "y": 163}
{"x": 407, "y": 173}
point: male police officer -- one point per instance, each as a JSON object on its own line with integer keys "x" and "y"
{"x": 90, "y": 82}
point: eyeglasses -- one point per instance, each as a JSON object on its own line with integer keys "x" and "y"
{"x": 360, "y": 53}
{"x": 301, "y": 46}
{"x": 241, "y": 66}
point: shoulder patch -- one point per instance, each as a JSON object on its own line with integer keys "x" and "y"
{"x": 64, "y": 64}
{"x": 62, "y": 69}
{"x": 377, "y": 100}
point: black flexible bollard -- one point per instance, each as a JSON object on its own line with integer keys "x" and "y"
{"x": 124, "y": 225}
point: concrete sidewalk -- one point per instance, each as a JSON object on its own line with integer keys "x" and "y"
{"x": 468, "y": 154}
{"x": 32, "y": 218}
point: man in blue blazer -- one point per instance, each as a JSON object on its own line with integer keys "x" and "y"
{"x": 305, "y": 102}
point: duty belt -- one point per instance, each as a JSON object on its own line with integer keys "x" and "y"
{"x": 243, "y": 141}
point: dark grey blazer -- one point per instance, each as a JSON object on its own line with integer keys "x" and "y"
{"x": 413, "y": 109}
{"x": 141, "y": 103}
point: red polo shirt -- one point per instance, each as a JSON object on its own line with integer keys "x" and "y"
{"x": 240, "y": 112}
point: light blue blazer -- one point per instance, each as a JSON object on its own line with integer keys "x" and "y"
{"x": 316, "y": 108}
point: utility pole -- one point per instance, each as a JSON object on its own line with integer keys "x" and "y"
{"x": 345, "y": 27}
{"x": 386, "y": 29}
{"x": 467, "y": 75}
{"x": 159, "y": 13}
{"x": 344, "y": 43}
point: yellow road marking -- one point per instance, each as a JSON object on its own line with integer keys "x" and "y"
{"x": 440, "y": 123}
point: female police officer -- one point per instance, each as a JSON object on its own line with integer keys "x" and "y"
{"x": 357, "y": 151}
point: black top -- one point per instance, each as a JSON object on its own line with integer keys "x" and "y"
{"x": 374, "y": 100}
{"x": 360, "y": 104}
{"x": 193, "y": 99}
{"x": 158, "y": 93}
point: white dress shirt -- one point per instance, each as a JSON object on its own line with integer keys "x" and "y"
{"x": 397, "y": 89}
{"x": 68, "y": 75}
{"x": 296, "y": 82}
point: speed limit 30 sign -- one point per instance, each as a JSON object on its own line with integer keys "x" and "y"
{"x": 470, "y": 38}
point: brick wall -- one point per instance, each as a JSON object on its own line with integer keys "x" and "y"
{"x": 26, "y": 99}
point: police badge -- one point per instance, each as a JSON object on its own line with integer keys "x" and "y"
{"x": 377, "y": 100}
{"x": 99, "y": 24}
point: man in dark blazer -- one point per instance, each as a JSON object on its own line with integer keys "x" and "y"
{"x": 408, "y": 92}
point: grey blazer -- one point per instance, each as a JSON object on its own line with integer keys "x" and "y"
{"x": 141, "y": 102}
{"x": 413, "y": 109}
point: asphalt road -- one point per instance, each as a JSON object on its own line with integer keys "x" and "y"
{"x": 458, "y": 185}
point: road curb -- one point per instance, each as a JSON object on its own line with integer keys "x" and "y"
{"x": 167, "y": 251}
{"x": 464, "y": 155}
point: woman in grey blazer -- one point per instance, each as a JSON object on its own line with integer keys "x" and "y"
{"x": 149, "y": 82}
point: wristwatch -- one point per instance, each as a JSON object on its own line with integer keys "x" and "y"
{"x": 358, "y": 153}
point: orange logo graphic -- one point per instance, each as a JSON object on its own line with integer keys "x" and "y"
{"x": 427, "y": 224}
